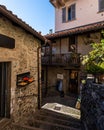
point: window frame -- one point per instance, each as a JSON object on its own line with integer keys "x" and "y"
{"x": 71, "y": 12}
{"x": 65, "y": 13}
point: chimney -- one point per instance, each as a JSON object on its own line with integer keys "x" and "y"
{"x": 50, "y": 31}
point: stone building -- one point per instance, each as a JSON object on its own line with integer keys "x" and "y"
{"x": 19, "y": 67}
{"x": 77, "y": 25}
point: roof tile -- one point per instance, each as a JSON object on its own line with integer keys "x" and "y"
{"x": 9, "y": 14}
{"x": 77, "y": 30}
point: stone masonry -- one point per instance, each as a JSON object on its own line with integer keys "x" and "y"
{"x": 23, "y": 58}
{"x": 92, "y": 106}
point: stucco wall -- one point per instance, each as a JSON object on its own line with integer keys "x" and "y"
{"x": 23, "y": 58}
{"x": 87, "y": 12}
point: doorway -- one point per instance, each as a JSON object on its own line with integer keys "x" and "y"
{"x": 5, "y": 83}
{"x": 73, "y": 81}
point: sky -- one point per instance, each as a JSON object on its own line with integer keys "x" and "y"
{"x": 39, "y": 14}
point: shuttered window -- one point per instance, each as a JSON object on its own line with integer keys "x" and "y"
{"x": 101, "y": 5}
{"x": 63, "y": 15}
{"x": 71, "y": 12}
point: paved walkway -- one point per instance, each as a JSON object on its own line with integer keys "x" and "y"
{"x": 66, "y": 100}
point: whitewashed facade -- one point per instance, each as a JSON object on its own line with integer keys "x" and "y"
{"x": 86, "y": 12}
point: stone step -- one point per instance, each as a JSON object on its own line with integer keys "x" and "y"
{"x": 17, "y": 126}
{"x": 46, "y": 125}
{"x": 57, "y": 115}
{"x": 50, "y": 120}
{"x": 62, "y": 109}
{"x": 57, "y": 120}
{"x": 4, "y": 123}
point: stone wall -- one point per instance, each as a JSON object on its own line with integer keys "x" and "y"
{"x": 92, "y": 106}
{"x": 23, "y": 58}
{"x": 85, "y": 41}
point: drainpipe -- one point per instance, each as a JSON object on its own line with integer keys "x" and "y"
{"x": 38, "y": 69}
{"x": 46, "y": 80}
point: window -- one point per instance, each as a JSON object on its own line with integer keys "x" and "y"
{"x": 72, "y": 43}
{"x": 101, "y": 5}
{"x": 71, "y": 12}
{"x": 64, "y": 15}
{"x": 68, "y": 14}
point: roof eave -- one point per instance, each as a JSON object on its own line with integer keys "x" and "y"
{"x": 57, "y": 3}
{"x": 18, "y": 21}
{"x": 77, "y": 30}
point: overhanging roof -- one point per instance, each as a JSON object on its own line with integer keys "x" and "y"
{"x": 77, "y": 30}
{"x": 58, "y": 3}
{"x": 18, "y": 21}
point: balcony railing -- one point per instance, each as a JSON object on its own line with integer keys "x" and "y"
{"x": 69, "y": 59}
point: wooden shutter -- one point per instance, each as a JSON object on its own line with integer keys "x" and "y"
{"x": 73, "y": 11}
{"x": 64, "y": 15}
{"x": 69, "y": 14}
{"x": 101, "y": 5}
{"x": 7, "y": 42}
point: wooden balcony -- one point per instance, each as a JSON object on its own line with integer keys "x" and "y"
{"x": 69, "y": 59}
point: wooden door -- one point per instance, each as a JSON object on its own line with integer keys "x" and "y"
{"x": 4, "y": 89}
{"x": 73, "y": 81}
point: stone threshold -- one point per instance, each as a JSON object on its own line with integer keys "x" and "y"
{"x": 75, "y": 113}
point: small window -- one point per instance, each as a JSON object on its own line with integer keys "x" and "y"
{"x": 101, "y": 5}
{"x": 71, "y": 12}
{"x": 63, "y": 15}
{"x": 72, "y": 43}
